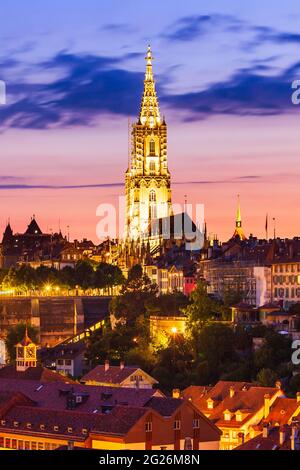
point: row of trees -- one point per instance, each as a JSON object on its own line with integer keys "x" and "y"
{"x": 211, "y": 349}
{"x": 85, "y": 275}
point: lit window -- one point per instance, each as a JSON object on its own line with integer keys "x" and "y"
{"x": 152, "y": 147}
{"x": 177, "y": 424}
{"x": 148, "y": 426}
{"x": 210, "y": 404}
{"x": 196, "y": 423}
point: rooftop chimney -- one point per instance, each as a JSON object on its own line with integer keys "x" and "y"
{"x": 231, "y": 392}
{"x": 278, "y": 384}
{"x": 265, "y": 430}
{"x": 70, "y": 445}
{"x": 122, "y": 365}
{"x": 176, "y": 393}
{"x": 281, "y": 435}
{"x": 106, "y": 365}
{"x": 266, "y": 405}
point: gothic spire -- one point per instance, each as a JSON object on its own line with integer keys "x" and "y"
{"x": 238, "y": 221}
{"x": 149, "y": 114}
{"x": 239, "y": 233}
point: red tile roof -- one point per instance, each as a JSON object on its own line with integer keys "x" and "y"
{"x": 72, "y": 423}
{"x": 33, "y": 373}
{"x": 283, "y": 410}
{"x": 247, "y": 398}
{"x": 114, "y": 374}
{"x": 163, "y": 405}
{"x": 52, "y": 395}
{"x": 272, "y": 442}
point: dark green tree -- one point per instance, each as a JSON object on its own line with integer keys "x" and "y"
{"x": 267, "y": 377}
{"x": 84, "y": 274}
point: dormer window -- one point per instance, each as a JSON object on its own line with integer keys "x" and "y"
{"x": 42, "y": 427}
{"x": 70, "y": 429}
{"x": 16, "y": 424}
{"x": 239, "y": 416}
{"x": 28, "y": 425}
{"x": 210, "y": 403}
{"x": 227, "y": 415}
{"x": 3, "y": 422}
{"x": 55, "y": 428}
{"x": 196, "y": 423}
{"x": 84, "y": 431}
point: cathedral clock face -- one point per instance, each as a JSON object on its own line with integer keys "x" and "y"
{"x": 30, "y": 352}
{"x": 20, "y": 352}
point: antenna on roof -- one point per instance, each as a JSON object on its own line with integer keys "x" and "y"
{"x": 185, "y": 202}
{"x": 129, "y": 149}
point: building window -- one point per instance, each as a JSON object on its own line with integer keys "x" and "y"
{"x": 196, "y": 423}
{"x": 152, "y": 204}
{"x": 20, "y": 445}
{"x": 148, "y": 426}
{"x": 152, "y": 147}
{"x": 177, "y": 424}
{"x": 70, "y": 429}
{"x": 152, "y": 166}
{"x": 210, "y": 404}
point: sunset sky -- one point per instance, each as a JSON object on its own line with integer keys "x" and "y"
{"x": 74, "y": 74}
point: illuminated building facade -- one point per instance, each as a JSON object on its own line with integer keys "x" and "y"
{"x": 147, "y": 182}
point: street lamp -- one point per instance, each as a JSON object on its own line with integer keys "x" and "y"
{"x": 174, "y": 331}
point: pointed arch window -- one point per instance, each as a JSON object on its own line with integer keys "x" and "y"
{"x": 152, "y": 204}
{"x": 152, "y": 147}
{"x": 152, "y": 166}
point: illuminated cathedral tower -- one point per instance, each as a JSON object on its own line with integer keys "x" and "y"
{"x": 147, "y": 183}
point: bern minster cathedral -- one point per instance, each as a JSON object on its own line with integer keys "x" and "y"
{"x": 151, "y": 228}
{"x": 148, "y": 187}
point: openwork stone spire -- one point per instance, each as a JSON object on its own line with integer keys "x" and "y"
{"x": 150, "y": 114}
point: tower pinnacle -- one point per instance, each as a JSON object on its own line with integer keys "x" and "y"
{"x": 238, "y": 233}
{"x": 149, "y": 114}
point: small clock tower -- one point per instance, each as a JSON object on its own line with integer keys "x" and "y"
{"x": 26, "y": 353}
